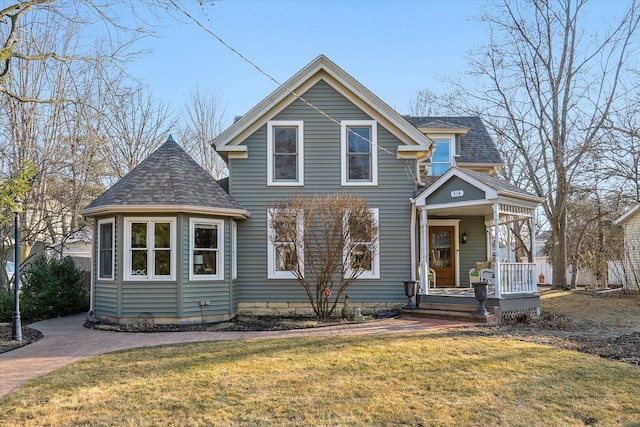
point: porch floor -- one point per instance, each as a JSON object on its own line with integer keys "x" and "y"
{"x": 460, "y": 303}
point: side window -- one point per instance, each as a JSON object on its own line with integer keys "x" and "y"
{"x": 359, "y": 152}
{"x": 441, "y": 158}
{"x": 206, "y": 255}
{"x": 106, "y": 245}
{"x": 363, "y": 245}
{"x": 150, "y": 249}
{"x": 284, "y": 245}
{"x": 285, "y": 153}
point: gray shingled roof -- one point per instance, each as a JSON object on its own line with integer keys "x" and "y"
{"x": 498, "y": 184}
{"x": 169, "y": 176}
{"x": 492, "y": 181}
{"x": 475, "y": 147}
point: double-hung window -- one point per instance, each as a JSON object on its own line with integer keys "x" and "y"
{"x": 285, "y": 254}
{"x": 359, "y": 158}
{"x": 106, "y": 245}
{"x": 362, "y": 247}
{"x": 285, "y": 152}
{"x": 150, "y": 249}
{"x": 206, "y": 255}
{"x": 441, "y": 157}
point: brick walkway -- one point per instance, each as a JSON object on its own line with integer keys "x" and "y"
{"x": 66, "y": 341}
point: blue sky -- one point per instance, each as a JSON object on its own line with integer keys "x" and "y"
{"x": 394, "y": 48}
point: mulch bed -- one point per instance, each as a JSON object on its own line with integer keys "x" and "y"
{"x": 28, "y": 336}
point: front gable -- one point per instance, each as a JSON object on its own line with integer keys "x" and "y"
{"x": 455, "y": 189}
{"x": 414, "y": 144}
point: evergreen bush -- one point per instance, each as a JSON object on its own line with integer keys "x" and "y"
{"x": 7, "y": 302}
{"x": 52, "y": 288}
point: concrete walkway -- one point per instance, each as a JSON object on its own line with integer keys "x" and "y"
{"x": 66, "y": 341}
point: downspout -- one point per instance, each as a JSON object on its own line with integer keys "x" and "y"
{"x": 91, "y": 314}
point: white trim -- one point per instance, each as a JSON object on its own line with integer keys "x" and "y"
{"x": 452, "y": 162}
{"x": 455, "y": 223}
{"x": 150, "y": 221}
{"x": 320, "y": 68}
{"x": 234, "y": 250}
{"x": 101, "y": 222}
{"x": 375, "y": 262}
{"x": 272, "y": 272}
{"x": 199, "y": 210}
{"x": 373, "y": 145}
{"x": 220, "y": 249}
{"x": 299, "y": 125}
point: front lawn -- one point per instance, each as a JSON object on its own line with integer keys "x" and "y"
{"x": 420, "y": 379}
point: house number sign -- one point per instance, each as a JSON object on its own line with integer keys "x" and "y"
{"x": 457, "y": 193}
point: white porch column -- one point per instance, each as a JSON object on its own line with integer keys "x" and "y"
{"x": 496, "y": 248}
{"x": 534, "y": 233}
{"x": 424, "y": 279}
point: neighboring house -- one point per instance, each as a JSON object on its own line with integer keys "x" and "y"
{"x": 78, "y": 246}
{"x": 177, "y": 245}
{"x": 630, "y": 268}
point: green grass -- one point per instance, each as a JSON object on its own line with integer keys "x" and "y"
{"x": 416, "y": 379}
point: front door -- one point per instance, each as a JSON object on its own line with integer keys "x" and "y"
{"x": 442, "y": 254}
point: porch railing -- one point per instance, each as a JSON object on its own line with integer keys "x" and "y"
{"x": 517, "y": 278}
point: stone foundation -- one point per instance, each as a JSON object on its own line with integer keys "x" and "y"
{"x": 285, "y": 309}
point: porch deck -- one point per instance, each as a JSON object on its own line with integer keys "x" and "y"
{"x": 460, "y": 303}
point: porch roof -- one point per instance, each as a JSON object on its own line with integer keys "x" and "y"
{"x": 458, "y": 190}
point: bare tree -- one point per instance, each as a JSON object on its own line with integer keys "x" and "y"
{"x": 548, "y": 89}
{"x": 203, "y": 122}
{"x": 326, "y": 241}
{"x": 105, "y": 34}
{"x": 623, "y": 140}
{"x": 136, "y": 125}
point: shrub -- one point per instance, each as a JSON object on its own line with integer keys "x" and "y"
{"x": 52, "y": 288}
{"x": 7, "y": 303}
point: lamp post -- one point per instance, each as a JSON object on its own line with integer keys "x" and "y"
{"x": 17, "y": 324}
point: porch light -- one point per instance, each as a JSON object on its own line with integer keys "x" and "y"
{"x": 464, "y": 237}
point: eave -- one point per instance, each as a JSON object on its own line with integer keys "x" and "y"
{"x": 198, "y": 210}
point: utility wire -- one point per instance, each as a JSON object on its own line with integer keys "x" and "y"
{"x": 273, "y": 79}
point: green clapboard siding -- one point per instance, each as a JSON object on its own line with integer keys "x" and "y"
{"x": 322, "y": 174}
{"x": 475, "y": 250}
{"x": 216, "y": 292}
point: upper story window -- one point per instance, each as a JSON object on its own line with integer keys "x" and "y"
{"x": 284, "y": 245}
{"x": 206, "y": 255}
{"x": 106, "y": 245}
{"x": 359, "y": 143}
{"x": 150, "y": 249}
{"x": 285, "y": 152}
{"x": 442, "y": 157}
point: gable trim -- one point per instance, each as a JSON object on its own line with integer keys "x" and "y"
{"x": 320, "y": 68}
{"x": 200, "y": 210}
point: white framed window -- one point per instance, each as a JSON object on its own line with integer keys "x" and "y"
{"x": 285, "y": 152}
{"x": 234, "y": 250}
{"x": 359, "y": 152}
{"x": 149, "y": 248}
{"x": 106, "y": 247}
{"x": 363, "y": 246}
{"x": 206, "y": 251}
{"x": 442, "y": 157}
{"x": 283, "y": 253}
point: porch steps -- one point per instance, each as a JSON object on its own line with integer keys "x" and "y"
{"x": 454, "y": 312}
